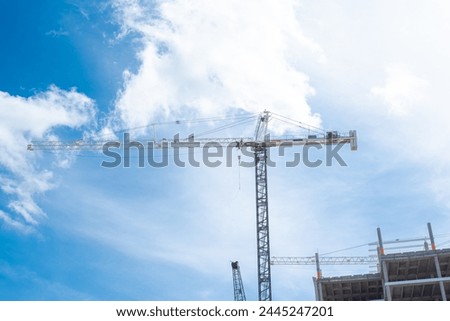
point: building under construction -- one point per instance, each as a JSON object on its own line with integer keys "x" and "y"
{"x": 416, "y": 275}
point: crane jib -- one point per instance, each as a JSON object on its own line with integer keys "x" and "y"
{"x": 331, "y": 138}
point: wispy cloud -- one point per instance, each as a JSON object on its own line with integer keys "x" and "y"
{"x": 21, "y": 120}
{"x": 47, "y": 289}
{"x": 388, "y": 72}
{"x": 402, "y": 91}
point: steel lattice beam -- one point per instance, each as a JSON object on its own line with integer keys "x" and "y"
{"x": 239, "y": 293}
{"x": 262, "y": 225}
{"x": 325, "y": 260}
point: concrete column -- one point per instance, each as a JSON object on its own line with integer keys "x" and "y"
{"x": 319, "y": 272}
{"x": 387, "y": 288}
{"x": 436, "y": 263}
{"x": 439, "y": 275}
{"x": 430, "y": 231}
{"x": 380, "y": 242}
{"x": 316, "y": 289}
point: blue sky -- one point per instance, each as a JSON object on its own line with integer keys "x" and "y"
{"x": 72, "y": 230}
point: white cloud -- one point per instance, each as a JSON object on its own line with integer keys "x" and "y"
{"x": 387, "y": 72}
{"x": 205, "y": 58}
{"x": 24, "y": 119}
{"x": 48, "y": 289}
{"x": 402, "y": 91}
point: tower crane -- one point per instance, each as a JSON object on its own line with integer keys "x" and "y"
{"x": 415, "y": 243}
{"x": 324, "y": 260}
{"x": 259, "y": 144}
{"x": 239, "y": 293}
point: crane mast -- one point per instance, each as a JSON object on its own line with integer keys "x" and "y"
{"x": 239, "y": 293}
{"x": 258, "y": 145}
{"x": 262, "y": 210}
{"x": 262, "y": 225}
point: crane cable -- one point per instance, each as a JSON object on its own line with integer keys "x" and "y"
{"x": 309, "y": 128}
{"x": 179, "y": 122}
{"x": 227, "y": 126}
{"x": 349, "y": 248}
